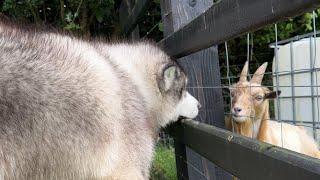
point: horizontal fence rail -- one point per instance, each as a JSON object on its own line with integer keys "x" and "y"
{"x": 231, "y": 18}
{"x": 245, "y": 158}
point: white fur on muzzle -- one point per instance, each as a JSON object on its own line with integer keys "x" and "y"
{"x": 188, "y": 106}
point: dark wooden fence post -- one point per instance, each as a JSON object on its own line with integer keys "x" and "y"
{"x": 203, "y": 70}
{"x": 180, "y": 148}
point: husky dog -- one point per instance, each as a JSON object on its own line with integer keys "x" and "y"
{"x": 74, "y": 109}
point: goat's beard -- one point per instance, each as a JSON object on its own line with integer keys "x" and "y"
{"x": 239, "y": 119}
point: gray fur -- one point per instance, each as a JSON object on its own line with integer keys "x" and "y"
{"x": 69, "y": 110}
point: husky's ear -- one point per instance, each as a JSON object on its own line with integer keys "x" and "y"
{"x": 169, "y": 75}
{"x": 272, "y": 94}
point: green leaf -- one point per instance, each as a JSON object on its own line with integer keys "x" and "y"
{"x": 309, "y": 27}
{"x": 99, "y": 15}
{"x": 7, "y": 5}
{"x": 69, "y": 17}
{"x": 76, "y": 14}
{"x": 289, "y": 27}
{"x": 72, "y": 26}
{"x": 160, "y": 26}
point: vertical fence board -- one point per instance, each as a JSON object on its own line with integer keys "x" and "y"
{"x": 203, "y": 70}
{"x": 180, "y": 148}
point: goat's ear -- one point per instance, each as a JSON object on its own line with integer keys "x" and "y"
{"x": 258, "y": 75}
{"x": 272, "y": 94}
{"x": 244, "y": 72}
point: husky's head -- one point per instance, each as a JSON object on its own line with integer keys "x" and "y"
{"x": 173, "y": 100}
{"x": 176, "y": 100}
{"x": 160, "y": 80}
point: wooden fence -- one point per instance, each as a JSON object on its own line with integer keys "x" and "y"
{"x": 192, "y": 30}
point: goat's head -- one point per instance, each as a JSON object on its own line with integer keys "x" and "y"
{"x": 250, "y": 98}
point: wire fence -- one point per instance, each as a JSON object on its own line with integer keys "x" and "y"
{"x": 294, "y": 72}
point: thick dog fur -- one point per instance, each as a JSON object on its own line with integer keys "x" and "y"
{"x": 73, "y": 109}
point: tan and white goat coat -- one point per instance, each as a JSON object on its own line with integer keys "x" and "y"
{"x": 250, "y": 116}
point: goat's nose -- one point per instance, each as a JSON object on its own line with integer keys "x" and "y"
{"x": 237, "y": 109}
{"x": 199, "y": 105}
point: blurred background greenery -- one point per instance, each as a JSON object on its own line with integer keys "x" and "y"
{"x": 92, "y": 18}
{"x": 89, "y": 18}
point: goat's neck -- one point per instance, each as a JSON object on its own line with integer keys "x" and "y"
{"x": 251, "y": 127}
{"x": 263, "y": 129}
{"x": 243, "y": 128}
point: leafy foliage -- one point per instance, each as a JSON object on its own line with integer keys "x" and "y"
{"x": 85, "y": 17}
{"x": 151, "y": 25}
{"x": 100, "y": 17}
{"x": 261, "y": 40}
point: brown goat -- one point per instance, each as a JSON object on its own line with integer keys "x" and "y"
{"x": 250, "y": 116}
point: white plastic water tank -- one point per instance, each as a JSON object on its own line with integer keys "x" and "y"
{"x": 298, "y": 57}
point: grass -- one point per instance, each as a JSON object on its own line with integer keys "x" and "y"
{"x": 164, "y": 164}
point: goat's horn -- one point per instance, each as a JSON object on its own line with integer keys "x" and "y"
{"x": 258, "y": 75}
{"x": 244, "y": 72}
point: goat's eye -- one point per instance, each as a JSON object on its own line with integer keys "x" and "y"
{"x": 259, "y": 98}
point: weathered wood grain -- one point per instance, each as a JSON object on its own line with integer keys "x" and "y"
{"x": 229, "y": 19}
{"x": 247, "y": 158}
